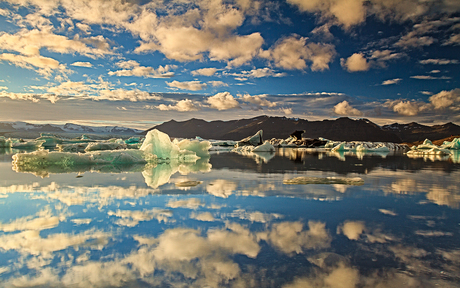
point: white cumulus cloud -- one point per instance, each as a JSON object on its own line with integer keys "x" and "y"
{"x": 345, "y": 109}
{"x": 223, "y": 101}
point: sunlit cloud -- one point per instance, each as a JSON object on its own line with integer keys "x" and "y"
{"x": 345, "y": 109}
{"x": 429, "y": 77}
{"x": 133, "y": 68}
{"x": 259, "y": 100}
{"x": 293, "y": 53}
{"x": 82, "y": 64}
{"x": 439, "y": 61}
{"x": 190, "y": 85}
{"x": 391, "y": 81}
{"x": 223, "y": 101}
{"x": 181, "y": 106}
{"x": 204, "y": 72}
{"x": 355, "y": 63}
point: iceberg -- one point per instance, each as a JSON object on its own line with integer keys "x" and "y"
{"x": 5, "y": 143}
{"x": 44, "y": 162}
{"x": 201, "y": 148}
{"x": 327, "y": 180}
{"x": 254, "y": 140}
{"x": 159, "y": 144}
{"x": 454, "y": 145}
{"x": 266, "y": 147}
{"x": 157, "y": 147}
{"x": 109, "y": 145}
{"x": 33, "y": 144}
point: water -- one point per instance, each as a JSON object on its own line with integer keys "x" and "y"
{"x": 231, "y": 222}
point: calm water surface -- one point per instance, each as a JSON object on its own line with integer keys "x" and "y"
{"x": 229, "y": 221}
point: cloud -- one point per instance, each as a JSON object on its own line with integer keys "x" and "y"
{"x": 352, "y": 229}
{"x": 191, "y": 203}
{"x": 123, "y": 94}
{"x": 223, "y": 101}
{"x": 345, "y": 109}
{"x": 131, "y": 218}
{"x": 428, "y": 77}
{"x": 133, "y": 68}
{"x": 293, "y": 53}
{"x": 204, "y": 72}
{"x": 439, "y": 61}
{"x": 406, "y": 108}
{"x": 45, "y": 220}
{"x": 259, "y": 100}
{"x": 217, "y": 83}
{"x": 30, "y": 241}
{"x": 205, "y": 216}
{"x": 191, "y": 85}
{"x": 347, "y": 13}
{"x": 355, "y": 63}
{"x": 391, "y": 81}
{"x": 46, "y": 66}
{"x": 181, "y": 106}
{"x": 290, "y": 237}
{"x": 82, "y": 64}
{"x": 29, "y": 42}
{"x": 257, "y": 73}
{"x": 446, "y": 99}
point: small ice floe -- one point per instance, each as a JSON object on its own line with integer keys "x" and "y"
{"x": 188, "y": 183}
{"x": 5, "y": 143}
{"x": 326, "y": 180}
{"x": 428, "y": 148}
{"x": 32, "y": 144}
{"x": 254, "y": 140}
{"x": 364, "y": 146}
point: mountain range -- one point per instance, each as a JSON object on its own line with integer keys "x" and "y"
{"x": 27, "y": 130}
{"x": 341, "y": 129}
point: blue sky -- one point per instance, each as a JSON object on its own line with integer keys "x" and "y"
{"x": 137, "y": 63}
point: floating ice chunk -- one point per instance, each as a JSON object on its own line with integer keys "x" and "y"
{"x": 201, "y": 148}
{"x": 50, "y": 140}
{"x": 97, "y": 146}
{"x": 188, "y": 183}
{"x": 5, "y": 143}
{"x": 266, "y": 147}
{"x": 340, "y": 147}
{"x": 74, "y": 147}
{"x": 44, "y": 162}
{"x": 426, "y": 145}
{"x": 327, "y": 180}
{"x": 33, "y": 144}
{"x": 254, "y": 140}
{"x": 455, "y": 144}
{"x": 433, "y": 151}
{"x": 159, "y": 144}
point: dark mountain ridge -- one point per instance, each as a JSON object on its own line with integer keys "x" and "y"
{"x": 341, "y": 129}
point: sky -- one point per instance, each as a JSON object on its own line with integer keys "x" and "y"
{"x": 137, "y": 63}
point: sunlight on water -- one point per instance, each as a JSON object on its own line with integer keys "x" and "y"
{"x": 294, "y": 218}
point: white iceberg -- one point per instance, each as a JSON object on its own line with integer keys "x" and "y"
{"x": 454, "y": 145}
{"x": 5, "y": 143}
{"x": 157, "y": 147}
{"x": 201, "y": 148}
{"x": 159, "y": 144}
{"x": 266, "y": 147}
{"x": 33, "y": 144}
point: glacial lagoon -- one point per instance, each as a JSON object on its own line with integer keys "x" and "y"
{"x": 231, "y": 220}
